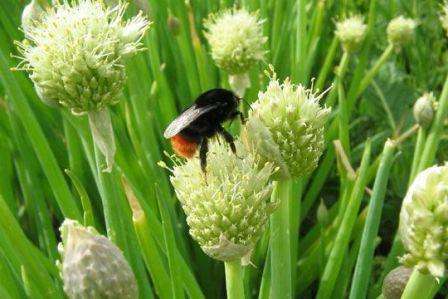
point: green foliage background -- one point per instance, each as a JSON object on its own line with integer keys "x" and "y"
{"x": 40, "y": 145}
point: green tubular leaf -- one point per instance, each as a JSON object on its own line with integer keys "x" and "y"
{"x": 41, "y": 147}
{"x": 170, "y": 247}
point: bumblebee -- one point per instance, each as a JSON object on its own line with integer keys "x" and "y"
{"x": 202, "y": 121}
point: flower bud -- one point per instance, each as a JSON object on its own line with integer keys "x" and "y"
{"x": 92, "y": 266}
{"x": 423, "y": 222}
{"x": 227, "y": 208}
{"x": 351, "y": 33}
{"x": 395, "y": 282}
{"x": 400, "y": 31}
{"x": 292, "y": 123}
{"x": 322, "y": 213}
{"x": 424, "y": 110}
{"x": 236, "y": 39}
{"x": 31, "y": 15}
{"x": 74, "y": 54}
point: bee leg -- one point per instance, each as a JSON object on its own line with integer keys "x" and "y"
{"x": 241, "y": 115}
{"x": 203, "y": 154}
{"x": 228, "y": 138}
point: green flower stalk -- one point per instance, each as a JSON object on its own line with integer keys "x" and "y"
{"x": 351, "y": 32}
{"x": 395, "y": 282}
{"x": 423, "y": 222}
{"x": 227, "y": 208}
{"x": 236, "y": 43}
{"x": 75, "y": 57}
{"x": 424, "y": 110}
{"x": 92, "y": 266}
{"x": 286, "y": 127}
{"x": 400, "y": 31}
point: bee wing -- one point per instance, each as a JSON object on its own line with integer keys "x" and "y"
{"x": 186, "y": 118}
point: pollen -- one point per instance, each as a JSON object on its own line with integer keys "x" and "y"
{"x": 183, "y": 147}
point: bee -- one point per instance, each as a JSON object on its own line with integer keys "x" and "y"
{"x": 203, "y": 120}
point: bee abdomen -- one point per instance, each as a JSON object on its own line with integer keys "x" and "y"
{"x": 183, "y": 147}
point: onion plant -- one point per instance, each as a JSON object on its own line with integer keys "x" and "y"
{"x": 337, "y": 189}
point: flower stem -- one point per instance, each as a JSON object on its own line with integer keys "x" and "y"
{"x": 328, "y": 63}
{"x": 281, "y": 285}
{"x": 234, "y": 280}
{"x": 334, "y": 263}
{"x": 420, "y": 286}
{"x": 375, "y": 69}
{"x": 363, "y": 268}
{"x": 419, "y": 146}
{"x": 343, "y": 104}
{"x": 433, "y": 139}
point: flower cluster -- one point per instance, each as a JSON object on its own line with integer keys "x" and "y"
{"x": 236, "y": 39}
{"x": 351, "y": 33}
{"x": 75, "y": 53}
{"x": 227, "y": 208}
{"x": 286, "y": 126}
{"x": 400, "y": 31}
{"x": 424, "y": 221}
{"x": 92, "y": 266}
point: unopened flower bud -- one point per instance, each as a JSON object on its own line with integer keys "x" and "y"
{"x": 395, "y": 282}
{"x": 228, "y": 206}
{"x": 423, "y": 222}
{"x": 424, "y": 110}
{"x": 292, "y": 123}
{"x": 92, "y": 266}
{"x": 400, "y": 31}
{"x": 351, "y": 33}
{"x": 322, "y": 213}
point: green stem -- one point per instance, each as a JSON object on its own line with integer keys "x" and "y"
{"x": 111, "y": 218}
{"x": 301, "y": 21}
{"x": 420, "y": 286}
{"x": 433, "y": 139}
{"x": 368, "y": 77}
{"x": 318, "y": 182}
{"x": 314, "y": 39}
{"x": 234, "y": 280}
{"x": 419, "y": 146}
{"x": 281, "y": 285}
{"x": 343, "y": 104}
{"x": 328, "y": 63}
{"x": 390, "y": 116}
{"x": 396, "y": 250}
{"x": 363, "y": 268}
{"x": 40, "y": 144}
{"x": 333, "y": 266}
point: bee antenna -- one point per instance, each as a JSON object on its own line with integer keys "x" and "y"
{"x": 247, "y": 103}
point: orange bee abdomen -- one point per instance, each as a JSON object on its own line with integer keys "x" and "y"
{"x": 183, "y": 147}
